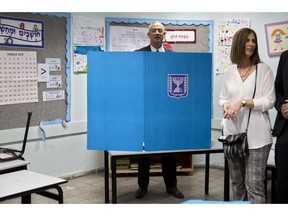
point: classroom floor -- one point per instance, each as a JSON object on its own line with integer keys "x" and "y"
{"x": 89, "y": 189}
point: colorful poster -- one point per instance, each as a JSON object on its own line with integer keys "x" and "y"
{"x": 88, "y": 31}
{"x": 276, "y": 37}
{"x": 222, "y": 58}
{"x": 226, "y": 28}
{"x": 80, "y": 57}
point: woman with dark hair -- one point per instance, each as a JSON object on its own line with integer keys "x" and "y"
{"x": 236, "y": 99}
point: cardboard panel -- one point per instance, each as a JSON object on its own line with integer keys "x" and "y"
{"x": 115, "y": 101}
{"x": 161, "y": 99}
{"x": 183, "y": 121}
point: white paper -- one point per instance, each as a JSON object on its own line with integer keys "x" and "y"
{"x": 123, "y": 38}
{"x": 43, "y": 73}
{"x": 53, "y": 95}
{"x": 80, "y": 63}
{"x": 54, "y": 64}
{"x": 55, "y": 81}
{"x": 88, "y": 31}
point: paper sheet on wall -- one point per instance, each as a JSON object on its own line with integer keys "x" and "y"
{"x": 222, "y": 58}
{"x": 55, "y": 81}
{"x": 226, "y": 28}
{"x": 18, "y": 77}
{"x": 88, "y": 31}
{"x": 53, "y": 95}
{"x": 80, "y": 62}
{"x": 43, "y": 72}
{"x": 80, "y": 57}
{"x": 123, "y": 38}
{"x": 54, "y": 64}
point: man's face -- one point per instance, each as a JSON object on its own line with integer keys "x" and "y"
{"x": 156, "y": 34}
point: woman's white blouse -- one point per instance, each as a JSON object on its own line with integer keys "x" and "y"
{"x": 234, "y": 89}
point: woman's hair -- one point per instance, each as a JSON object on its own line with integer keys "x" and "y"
{"x": 237, "y": 54}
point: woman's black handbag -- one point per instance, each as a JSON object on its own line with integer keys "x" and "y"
{"x": 236, "y": 145}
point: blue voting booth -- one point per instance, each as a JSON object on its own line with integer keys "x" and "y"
{"x": 155, "y": 101}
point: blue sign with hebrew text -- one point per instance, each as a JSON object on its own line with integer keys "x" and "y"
{"x": 21, "y": 32}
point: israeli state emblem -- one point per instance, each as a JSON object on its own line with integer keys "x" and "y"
{"x": 177, "y": 85}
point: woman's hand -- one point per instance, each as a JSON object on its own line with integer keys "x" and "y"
{"x": 230, "y": 111}
{"x": 225, "y": 108}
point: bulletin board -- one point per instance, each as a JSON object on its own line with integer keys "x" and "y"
{"x": 203, "y": 28}
{"x": 55, "y": 45}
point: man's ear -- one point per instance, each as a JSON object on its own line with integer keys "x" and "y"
{"x": 149, "y": 35}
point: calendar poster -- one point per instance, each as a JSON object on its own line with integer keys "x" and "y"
{"x": 128, "y": 38}
{"x": 18, "y": 77}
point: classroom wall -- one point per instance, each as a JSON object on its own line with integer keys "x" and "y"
{"x": 64, "y": 151}
{"x": 257, "y": 20}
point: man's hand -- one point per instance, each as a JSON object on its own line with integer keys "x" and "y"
{"x": 284, "y": 109}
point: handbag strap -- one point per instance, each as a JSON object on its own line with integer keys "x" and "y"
{"x": 252, "y": 98}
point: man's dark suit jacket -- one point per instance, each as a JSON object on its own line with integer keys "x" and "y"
{"x": 148, "y": 49}
{"x": 281, "y": 88}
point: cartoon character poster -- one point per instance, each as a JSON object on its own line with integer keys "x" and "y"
{"x": 276, "y": 37}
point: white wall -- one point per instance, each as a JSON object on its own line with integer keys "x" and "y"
{"x": 64, "y": 153}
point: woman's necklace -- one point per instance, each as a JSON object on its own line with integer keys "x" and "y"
{"x": 245, "y": 75}
{"x": 248, "y": 70}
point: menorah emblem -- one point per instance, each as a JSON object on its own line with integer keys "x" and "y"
{"x": 177, "y": 85}
{"x": 178, "y": 81}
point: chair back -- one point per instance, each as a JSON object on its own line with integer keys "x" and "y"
{"x": 15, "y": 154}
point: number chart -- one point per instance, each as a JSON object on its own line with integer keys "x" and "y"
{"x": 18, "y": 77}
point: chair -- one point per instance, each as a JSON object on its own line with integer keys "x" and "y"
{"x": 15, "y": 154}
